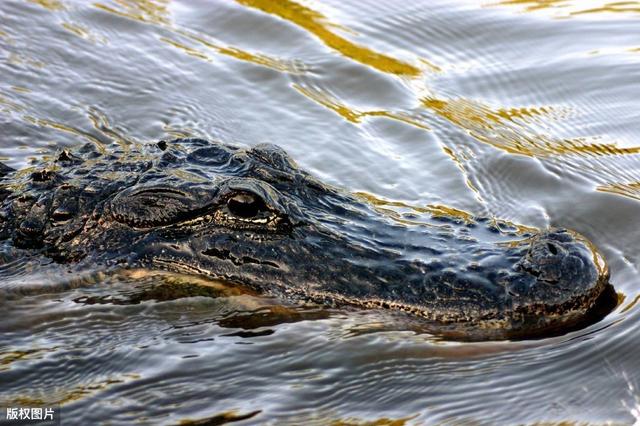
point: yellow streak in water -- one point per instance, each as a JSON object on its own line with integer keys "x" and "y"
{"x": 10, "y": 357}
{"x": 574, "y": 7}
{"x": 432, "y": 209}
{"x": 181, "y": 279}
{"x": 157, "y": 13}
{"x": 82, "y": 32}
{"x": 101, "y": 123}
{"x": 43, "y": 122}
{"x": 351, "y": 114}
{"x": 507, "y": 129}
{"x": 460, "y": 164}
{"x": 141, "y": 10}
{"x": 242, "y": 55}
{"x": 186, "y": 49}
{"x": 631, "y": 190}
{"x": 20, "y": 89}
{"x": 20, "y": 59}
{"x": 630, "y": 305}
{"x": 64, "y": 396}
{"x": 318, "y": 25}
{"x": 49, "y": 4}
{"x": 384, "y": 421}
{"x": 533, "y": 5}
{"x": 9, "y": 105}
{"x": 565, "y": 423}
{"x": 178, "y": 132}
{"x": 617, "y": 7}
{"x": 76, "y": 29}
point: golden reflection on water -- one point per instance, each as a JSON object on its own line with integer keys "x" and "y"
{"x": 631, "y": 190}
{"x": 460, "y": 164}
{"x": 630, "y": 305}
{"x": 397, "y": 210}
{"x": 7, "y": 105}
{"x": 83, "y": 33}
{"x": 533, "y": 5}
{"x": 155, "y": 11}
{"x": 45, "y": 122}
{"x": 20, "y": 59}
{"x": 65, "y": 396}
{"x": 318, "y": 25}
{"x": 507, "y": 129}
{"x": 390, "y": 208}
{"x": 351, "y": 114}
{"x": 573, "y": 7}
{"x": 49, "y": 4}
{"x": 384, "y": 421}
{"x": 242, "y": 55}
{"x": 618, "y": 7}
{"x": 503, "y": 128}
{"x": 21, "y": 89}
{"x": 9, "y": 358}
{"x": 101, "y": 123}
{"x": 432, "y": 209}
{"x": 256, "y": 58}
{"x": 186, "y": 49}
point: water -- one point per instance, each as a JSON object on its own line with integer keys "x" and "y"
{"x": 522, "y": 110}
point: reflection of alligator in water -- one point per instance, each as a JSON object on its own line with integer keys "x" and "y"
{"x": 252, "y": 217}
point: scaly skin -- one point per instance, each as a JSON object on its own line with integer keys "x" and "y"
{"x": 252, "y": 217}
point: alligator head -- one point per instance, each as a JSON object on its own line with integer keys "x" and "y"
{"x": 252, "y": 217}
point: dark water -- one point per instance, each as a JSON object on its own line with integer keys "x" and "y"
{"x": 522, "y": 110}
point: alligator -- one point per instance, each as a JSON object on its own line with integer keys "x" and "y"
{"x": 253, "y": 218}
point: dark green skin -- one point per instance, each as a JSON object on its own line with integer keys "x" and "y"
{"x": 252, "y": 217}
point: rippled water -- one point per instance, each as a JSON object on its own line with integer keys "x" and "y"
{"x": 522, "y": 110}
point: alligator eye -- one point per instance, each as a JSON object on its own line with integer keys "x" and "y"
{"x": 245, "y": 205}
{"x": 61, "y": 214}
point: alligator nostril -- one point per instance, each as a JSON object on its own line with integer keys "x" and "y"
{"x": 552, "y": 248}
{"x": 31, "y": 227}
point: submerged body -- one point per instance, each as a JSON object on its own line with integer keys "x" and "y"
{"x": 252, "y": 217}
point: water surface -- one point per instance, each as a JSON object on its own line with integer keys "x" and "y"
{"x": 522, "y": 110}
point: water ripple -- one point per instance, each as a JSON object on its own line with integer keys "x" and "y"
{"x": 421, "y": 109}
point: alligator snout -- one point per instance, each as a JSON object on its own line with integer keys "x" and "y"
{"x": 563, "y": 260}
{"x": 568, "y": 273}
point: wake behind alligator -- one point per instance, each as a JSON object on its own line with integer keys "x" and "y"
{"x": 251, "y": 217}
